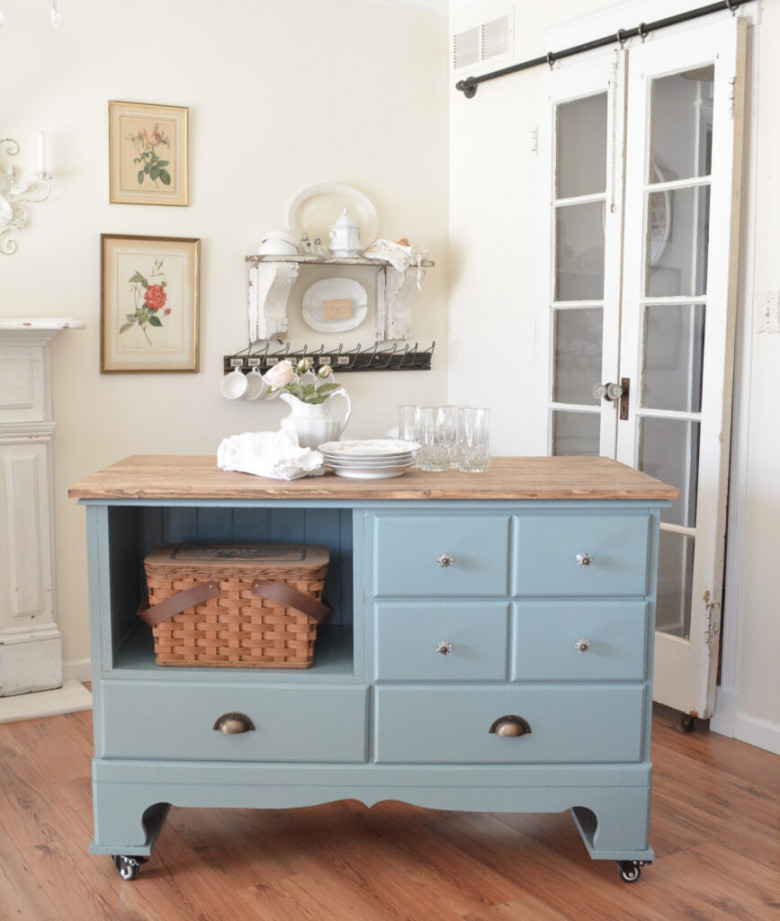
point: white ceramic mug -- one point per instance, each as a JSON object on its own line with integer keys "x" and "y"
{"x": 234, "y": 385}
{"x": 255, "y": 385}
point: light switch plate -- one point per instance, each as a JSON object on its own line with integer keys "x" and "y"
{"x": 768, "y": 311}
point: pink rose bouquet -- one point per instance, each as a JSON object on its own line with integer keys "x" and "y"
{"x": 301, "y": 381}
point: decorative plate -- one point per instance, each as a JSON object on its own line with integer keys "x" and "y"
{"x": 319, "y": 206}
{"x": 370, "y": 447}
{"x": 335, "y": 304}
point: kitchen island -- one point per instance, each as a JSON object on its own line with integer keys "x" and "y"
{"x": 491, "y": 648}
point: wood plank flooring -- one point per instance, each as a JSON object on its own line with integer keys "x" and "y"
{"x": 715, "y": 829}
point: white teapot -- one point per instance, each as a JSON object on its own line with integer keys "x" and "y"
{"x": 344, "y": 236}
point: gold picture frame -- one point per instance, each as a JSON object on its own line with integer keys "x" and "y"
{"x": 147, "y": 154}
{"x": 149, "y": 303}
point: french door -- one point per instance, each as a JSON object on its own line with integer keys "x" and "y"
{"x": 639, "y": 148}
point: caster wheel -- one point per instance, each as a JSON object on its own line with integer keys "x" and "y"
{"x": 629, "y": 870}
{"x": 128, "y": 866}
{"x": 688, "y": 722}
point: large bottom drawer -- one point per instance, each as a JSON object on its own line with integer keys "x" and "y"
{"x": 176, "y": 721}
{"x": 572, "y": 723}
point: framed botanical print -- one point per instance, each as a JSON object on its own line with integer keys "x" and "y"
{"x": 147, "y": 154}
{"x": 149, "y": 303}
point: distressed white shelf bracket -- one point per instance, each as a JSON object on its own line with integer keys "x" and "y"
{"x": 271, "y": 279}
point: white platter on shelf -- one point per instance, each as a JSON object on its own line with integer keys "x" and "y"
{"x": 329, "y": 289}
{"x": 319, "y": 206}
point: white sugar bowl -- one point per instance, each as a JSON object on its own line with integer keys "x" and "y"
{"x": 278, "y": 243}
{"x": 344, "y": 236}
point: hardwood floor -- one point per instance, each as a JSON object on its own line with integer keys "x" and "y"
{"x": 715, "y": 830}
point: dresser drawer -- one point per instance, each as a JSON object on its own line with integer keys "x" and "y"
{"x": 441, "y": 555}
{"x": 580, "y": 554}
{"x": 175, "y": 720}
{"x": 579, "y": 641}
{"x": 441, "y": 641}
{"x": 572, "y": 724}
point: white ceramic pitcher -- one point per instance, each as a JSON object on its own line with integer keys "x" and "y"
{"x": 315, "y": 423}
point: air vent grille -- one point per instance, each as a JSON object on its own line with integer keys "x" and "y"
{"x": 495, "y": 38}
{"x": 466, "y": 48}
{"x": 485, "y": 42}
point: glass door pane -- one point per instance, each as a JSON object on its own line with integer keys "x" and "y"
{"x": 579, "y": 252}
{"x": 581, "y": 127}
{"x": 575, "y": 434}
{"x": 675, "y": 585}
{"x": 673, "y": 358}
{"x": 578, "y": 338}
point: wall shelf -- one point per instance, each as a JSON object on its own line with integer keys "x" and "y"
{"x": 331, "y": 260}
{"x": 271, "y": 279}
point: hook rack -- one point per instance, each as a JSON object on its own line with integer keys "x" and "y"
{"x": 394, "y": 358}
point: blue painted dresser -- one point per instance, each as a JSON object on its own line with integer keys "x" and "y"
{"x": 491, "y": 648}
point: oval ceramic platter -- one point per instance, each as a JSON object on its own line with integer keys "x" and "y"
{"x": 319, "y": 206}
{"x": 333, "y": 305}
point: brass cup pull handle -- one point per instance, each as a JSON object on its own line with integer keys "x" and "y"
{"x": 509, "y": 727}
{"x": 233, "y": 724}
{"x": 444, "y": 647}
{"x": 445, "y": 560}
{"x": 584, "y": 559}
{"x": 582, "y": 644}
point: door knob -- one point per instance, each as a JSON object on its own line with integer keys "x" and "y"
{"x": 233, "y": 724}
{"x": 609, "y": 392}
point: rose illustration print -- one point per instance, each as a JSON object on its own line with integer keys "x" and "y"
{"x": 151, "y": 165}
{"x": 149, "y": 300}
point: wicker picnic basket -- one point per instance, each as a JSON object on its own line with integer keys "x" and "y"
{"x": 241, "y": 605}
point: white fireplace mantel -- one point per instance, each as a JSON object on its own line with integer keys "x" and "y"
{"x": 32, "y": 324}
{"x": 30, "y": 640}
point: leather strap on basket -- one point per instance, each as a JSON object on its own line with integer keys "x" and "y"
{"x": 290, "y": 597}
{"x": 177, "y": 603}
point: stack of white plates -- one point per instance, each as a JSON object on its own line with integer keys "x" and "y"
{"x": 371, "y": 459}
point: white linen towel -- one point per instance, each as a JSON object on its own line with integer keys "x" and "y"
{"x": 269, "y": 454}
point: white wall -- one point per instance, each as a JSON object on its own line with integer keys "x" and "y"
{"x": 493, "y": 266}
{"x": 281, "y": 95}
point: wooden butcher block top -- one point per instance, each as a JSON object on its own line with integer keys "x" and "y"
{"x": 190, "y": 477}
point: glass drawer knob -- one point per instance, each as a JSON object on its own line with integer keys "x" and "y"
{"x": 584, "y": 559}
{"x": 582, "y": 644}
{"x": 444, "y": 647}
{"x": 445, "y": 559}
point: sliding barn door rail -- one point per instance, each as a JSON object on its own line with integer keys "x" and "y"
{"x": 469, "y": 85}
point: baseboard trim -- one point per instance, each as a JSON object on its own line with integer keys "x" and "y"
{"x": 728, "y": 721}
{"x": 760, "y": 733}
{"x": 77, "y": 670}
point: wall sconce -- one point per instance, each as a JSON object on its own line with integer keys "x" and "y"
{"x": 55, "y": 14}
{"x": 15, "y": 195}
